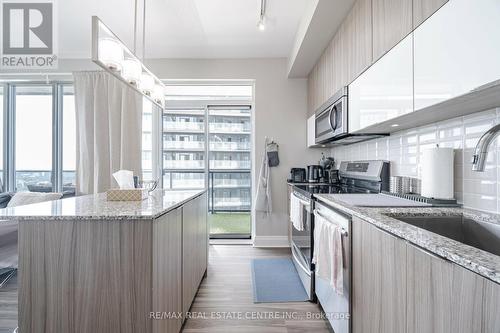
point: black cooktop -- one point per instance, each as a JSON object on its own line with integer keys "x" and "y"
{"x": 311, "y": 189}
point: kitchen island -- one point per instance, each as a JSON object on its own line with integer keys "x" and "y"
{"x": 91, "y": 265}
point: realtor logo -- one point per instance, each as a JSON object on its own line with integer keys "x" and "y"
{"x": 28, "y": 38}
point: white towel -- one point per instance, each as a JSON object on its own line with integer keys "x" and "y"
{"x": 296, "y": 215}
{"x": 328, "y": 255}
{"x": 263, "y": 202}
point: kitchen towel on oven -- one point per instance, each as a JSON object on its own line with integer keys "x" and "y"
{"x": 296, "y": 215}
{"x": 328, "y": 255}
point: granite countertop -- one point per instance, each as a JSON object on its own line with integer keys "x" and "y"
{"x": 476, "y": 260}
{"x": 96, "y": 207}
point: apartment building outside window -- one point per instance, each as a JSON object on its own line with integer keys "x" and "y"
{"x": 207, "y": 142}
{"x": 39, "y": 120}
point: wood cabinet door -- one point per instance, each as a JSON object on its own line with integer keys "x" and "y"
{"x": 442, "y": 297}
{"x": 379, "y": 280}
{"x": 392, "y": 21}
{"x": 491, "y": 306}
{"x": 194, "y": 248}
{"x": 357, "y": 39}
{"x": 167, "y": 270}
{"x": 422, "y": 9}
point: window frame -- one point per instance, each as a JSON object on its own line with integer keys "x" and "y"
{"x": 9, "y": 122}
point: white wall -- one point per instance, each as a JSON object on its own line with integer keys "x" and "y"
{"x": 280, "y": 112}
{"x": 476, "y": 190}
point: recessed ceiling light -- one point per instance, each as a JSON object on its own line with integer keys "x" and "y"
{"x": 394, "y": 125}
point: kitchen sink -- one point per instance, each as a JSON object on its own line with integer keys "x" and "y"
{"x": 481, "y": 235}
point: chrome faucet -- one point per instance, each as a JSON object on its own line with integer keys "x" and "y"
{"x": 481, "y": 150}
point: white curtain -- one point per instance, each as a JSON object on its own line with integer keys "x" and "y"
{"x": 108, "y": 129}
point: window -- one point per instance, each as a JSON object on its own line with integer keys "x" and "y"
{"x": 41, "y": 137}
{"x": 184, "y": 148}
{"x": 33, "y": 138}
{"x": 211, "y": 144}
{"x": 2, "y": 101}
{"x": 147, "y": 140}
{"x": 68, "y": 139}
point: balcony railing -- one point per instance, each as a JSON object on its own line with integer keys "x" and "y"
{"x": 184, "y": 164}
{"x": 230, "y": 113}
{"x": 229, "y": 146}
{"x": 184, "y": 145}
{"x": 231, "y": 183}
{"x": 187, "y": 183}
{"x": 229, "y": 127}
{"x": 183, "y": 126}
{"x": 222, "y": 203}
{"x": 218, "y": 164}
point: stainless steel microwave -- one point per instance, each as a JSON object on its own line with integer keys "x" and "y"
{"x": 331, "y": 118}
{"x": 331, "y": 123}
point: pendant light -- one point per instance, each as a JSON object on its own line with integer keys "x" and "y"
{"x": 110, "y": 53}
{"x": 131, "y": 71}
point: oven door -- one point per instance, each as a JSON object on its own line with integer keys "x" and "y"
{"x": 302, "y": 239}
{"x": 302, "y": 246}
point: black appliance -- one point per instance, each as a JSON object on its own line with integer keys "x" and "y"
{"x": 354, "y": 177}
{"x": 331, "y": 125}
{"x": 297, "y": 175}
{"x": 314, "y": 173}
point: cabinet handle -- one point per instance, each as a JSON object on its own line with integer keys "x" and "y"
{"x": 427, "y": 252}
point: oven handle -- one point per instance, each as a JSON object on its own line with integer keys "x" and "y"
{"x": 298, "y": 260}
{"x": 343, "y": 232}
{"x": 305, "y": 203}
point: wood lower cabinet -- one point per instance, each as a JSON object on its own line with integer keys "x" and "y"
{"x": 167, "y": 270}
{"x": 392, "y": 21}
{"x": 422, "y": 9}
{"x": 194, "y": 248}
{"x": 491, "y": 306}
{"x": 398, "y": 287}
{"x": 442, "y": 297}
{"x": 379, "y": 280}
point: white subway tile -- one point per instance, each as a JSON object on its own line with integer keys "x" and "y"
{"x": 484, "y": 187}
{"x": 480, "y": 202}
{"x": 476, "y": 190}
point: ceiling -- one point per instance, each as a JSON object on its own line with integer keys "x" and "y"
{"x": 186, "y": 28}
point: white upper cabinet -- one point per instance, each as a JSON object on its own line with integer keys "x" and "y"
{"x": 385, "y": 90}
{"x": 456, "y": 50}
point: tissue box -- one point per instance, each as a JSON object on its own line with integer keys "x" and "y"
{"x": 136, "y": 194}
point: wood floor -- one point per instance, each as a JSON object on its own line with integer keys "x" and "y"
{"x": 228, "y": 289}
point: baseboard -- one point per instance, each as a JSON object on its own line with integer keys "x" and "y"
{"x": 271, "y": 241}
{"x": 231, "y": 242}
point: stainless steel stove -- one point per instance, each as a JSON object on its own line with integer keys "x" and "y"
{"x": 354, "y": 177}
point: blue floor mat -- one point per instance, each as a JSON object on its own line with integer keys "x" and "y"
{"x": 276, "y": 280}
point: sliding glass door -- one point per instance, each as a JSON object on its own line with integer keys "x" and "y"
{"x": 229, "y": 170}
{"x": 207, "y": 143}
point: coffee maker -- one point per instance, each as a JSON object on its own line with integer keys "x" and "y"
{"x": 315, "y": 173}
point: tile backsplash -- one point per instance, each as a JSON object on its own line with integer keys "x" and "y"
{"x": 476, "y": 190}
